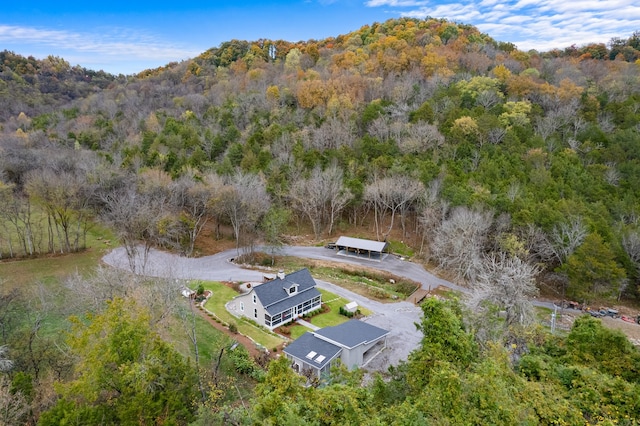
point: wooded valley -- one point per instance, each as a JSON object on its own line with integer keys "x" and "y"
{"x": 512, "y": 172}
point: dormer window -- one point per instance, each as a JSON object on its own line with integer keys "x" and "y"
{"x": 292, "y": 290}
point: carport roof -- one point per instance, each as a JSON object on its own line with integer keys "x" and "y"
{"x": 357, "y": 243}
{"x": 351, "y": 333}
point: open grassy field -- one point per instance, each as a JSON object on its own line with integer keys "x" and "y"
{"x": 49, "y": 269}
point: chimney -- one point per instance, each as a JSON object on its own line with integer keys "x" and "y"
{"x": 281, "y": 274}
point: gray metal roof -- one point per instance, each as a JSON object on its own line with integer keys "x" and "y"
{"x": 292, "y": 301}
{"x": 308, "y": 344}
{"x": 276, "y": 291}
{"x": 357, "y": 243}
{"x": 351, "y": 333}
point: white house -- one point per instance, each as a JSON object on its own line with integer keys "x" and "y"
{"x": 280, "y": 300}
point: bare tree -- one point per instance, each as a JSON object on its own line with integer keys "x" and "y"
{"x": 419, "y": 138}
{"x": 13, "y": 405}
{"x": 196, "y": 205}
{"x": 433, "y": 213}
{"x": 567, "y": 237}
{"x": 507, "y": 283}
{"x": 333, "y": 133}
{"x": 134, "y": 217}
{"x": 611, "y": 174}
{"x": 244, "y": 200}
{"x": 631, "y": 244}
{"x": 188, "y": 319}
{"x": 537, "y": 244}
{"x": 488, "y": 99}
{"x": 102, "y": 285}
{"x": 460, "y": 242}
{"x": 62, "y": 194}
{"x": 16, "y": 211}
{"x": 392, "y": 195}
{"x": 321, "y": 197}
{"x": 557, "y": 245}
{"x": 5, "y": 363}
{"x": 496, "y": 135}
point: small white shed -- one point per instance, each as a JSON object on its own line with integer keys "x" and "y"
{"x": 351, "y": 307}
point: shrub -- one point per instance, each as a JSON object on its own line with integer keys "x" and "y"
{"x": 200, "y": 290}
{"x": 284, "y": 329}
{"x": 242, "y": 360}
{"x": 346, "y": 313}
{"x": 378, "y": 293}
{"x": 406, "y": 288}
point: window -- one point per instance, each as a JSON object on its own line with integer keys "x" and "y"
{"x": 241, "y": 306}
{"x": 292, "y": 290}
{"x": 255, "y": 313}
{"x": 255, "y": 299}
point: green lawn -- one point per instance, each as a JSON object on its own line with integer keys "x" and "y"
{"x": 49, "y": 273}
{"x": 326, "y": 319}
{"x": 221, "y": 295}
{"x": 51, "y": 268}
{"x": 210, "y": 341}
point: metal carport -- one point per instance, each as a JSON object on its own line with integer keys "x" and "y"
{"x": 364, "y": 249}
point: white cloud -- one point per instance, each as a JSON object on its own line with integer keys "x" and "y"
{"x": 396, "y": 3}
{"x": 111, "y": 42}
{"x": 532, "y": 24}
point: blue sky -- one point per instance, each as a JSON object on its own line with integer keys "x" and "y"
{"x": 128, "y": 36}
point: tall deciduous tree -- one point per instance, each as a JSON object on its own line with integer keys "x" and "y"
{"x": 459, "y": 245}
{"x": 507, "y": 283}
{"x": 321, "y": 197}
{"x": 244, "y": 201}
{"x": 273, "y": 225}
{"x": 392, "y": 195}
{"x": 631, "y": 244}
{"x": 197, "y": 208}
{"x": 64, "y": 198}
{"x": 134, "y": 217}
{"x": 16, "y": 212}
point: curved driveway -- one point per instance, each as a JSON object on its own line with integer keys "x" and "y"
{"x": 399, "y": 318}
{"x": 219, "y": 267}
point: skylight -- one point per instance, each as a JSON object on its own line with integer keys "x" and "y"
{"x": 320, "y": 359}
{"x": 311, "y": 354}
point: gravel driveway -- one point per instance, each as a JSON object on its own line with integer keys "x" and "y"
{"x": 399, "y": 318}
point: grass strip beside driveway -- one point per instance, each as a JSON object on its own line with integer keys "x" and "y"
{"x": 221, "y": 294}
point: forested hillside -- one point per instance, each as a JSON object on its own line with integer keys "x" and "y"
{"x": 496, "y": 165}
